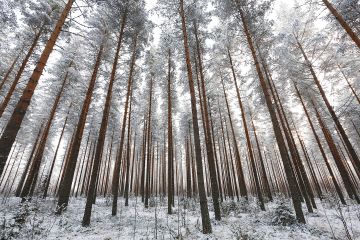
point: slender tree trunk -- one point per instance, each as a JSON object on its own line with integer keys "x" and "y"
{"x": 215, "y": 155}
{"x": 103, "y": 129}
{"x": 303, "y": 180}
{"x": 170, "y": 156}
{"x": 55, "y": 155}
{"x": 208, "y": 140}
{"x": 351, "y": 87}
{"x": 342, "y": 22}
{"x": 65, "y": 186}
{"x": 241, "y": 177}
{"x": 18, "y": 75}
{"x": 247, "y": 136}
{"x": 128, "y": 179}
{"x": 339, "y": 162}
{"x": 264, "y": 175}
{"x": 336, "y": 185}
{"x": 296, "y": 198}
{"x": 149, "y": 142}
{"x": 116, "y": 174}
{"x": 344, "y": 136}
{"x": 27, "y": 166}
{"x": 9, "y": 71}
{"x": 35, "y": 166}
{"x": 13, "y": 126}
{"x": 201, "y": 187}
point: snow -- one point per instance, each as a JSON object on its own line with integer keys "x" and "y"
{"x": 241, "y": 220}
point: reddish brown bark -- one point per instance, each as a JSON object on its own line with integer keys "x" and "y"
{"x": 65, "y": 186}
{"x": 206, "y": 225}
{"x": 19, "y": 73}
{"x": 9, "y": 71}
{"x": 277, "y": 130}
{"x": 13, "y": 126}
{"x": 116, "y": 174}
{"x": 342, "y": 22}
{"x": 336, "y": 120}
{"x": 37, "y": 158}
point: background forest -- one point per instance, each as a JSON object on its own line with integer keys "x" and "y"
{"x": 239, "y": 115}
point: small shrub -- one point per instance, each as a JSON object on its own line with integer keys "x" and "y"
{"x": 283, "y": 216}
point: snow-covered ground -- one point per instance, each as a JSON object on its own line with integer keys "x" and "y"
{"x": 241, "y": 220}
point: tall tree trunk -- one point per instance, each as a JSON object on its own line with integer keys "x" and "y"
{"x": 128, "y": 177}
{"x": 241, "y": 177}
{"x": 27, "y": 166}
{"x": 149, "y": 142}
{"x": 170, "y": 156}
{"x": 18, "y": 75}
{"x": 296, "y": 198}
{"x": 344, "y": 136}
{"x": 312, "y": 173}
{"x": 103, "y": 129}
{"x": 264, "y": 175}
{"x": 65, "y": 186}
{"x": 9, "y": 71}
{"x": 247, "y": 136}
{"x": 199, "y": 166}
{"x": 342, "y": 22}
{"x": 13, "y": 126}
{"x": 47, "y": 183}
{"x": 215, "y": 155}
{"x": 303, "y": 180}
{"x": 208, "y": 140}
{"x": 35, "y": 166}
{"x": 336, "y": 185}
{"x": 351, "y": 87}
{"x": 338, "y": 161}
{"x": 116, "y": 174}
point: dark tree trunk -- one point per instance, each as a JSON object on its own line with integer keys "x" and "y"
{"x": 208, "y": 140}
{"x": 264, "y": 175}
{"x": 47, "y": 183}
{"x": 9, "y": 71}
{"x": 103, "y": 129}
{"x": 344, "y": 136}
{"x": 336, "y": 185}
{"x": 296, "y": 197}
{"x": 116, "y": 174}
{"x": 338, "y": 161}
{"x": 65, "y": 185}
{"x": 35, "y": 166}
{"x": 149, "y": 142}
{"x": 199, "y": 168}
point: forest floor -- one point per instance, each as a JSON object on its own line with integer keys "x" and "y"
{"x": 241, "y": 220}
